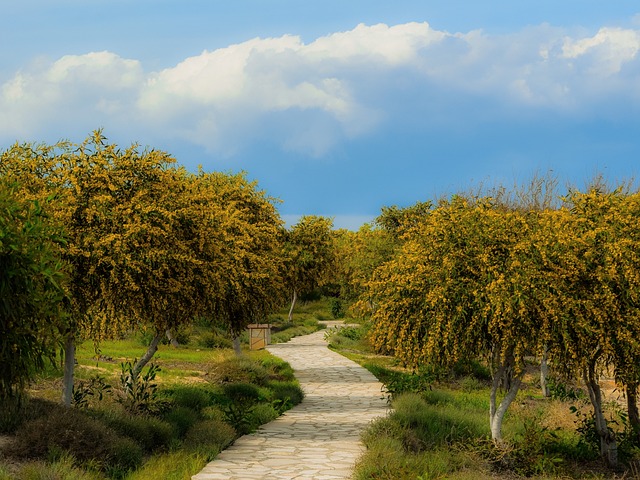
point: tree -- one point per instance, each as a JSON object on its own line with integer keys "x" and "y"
{"x": 240, "y": 229}
{"x": 31, "y": 292}
{"x": 309, "y": 254}
{"x": 462, "y": 286}
{"x": 596, "y": 285}
{"x": 358, "y": 254}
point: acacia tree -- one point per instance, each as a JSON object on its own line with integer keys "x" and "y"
{"x": 309, "y": 254}
{"x": 463, "y": 286}
{"x": 594, "y": 274}
{"x": 358, "y": 254}
{"x": 31, "y": 293}
{"x": 239, "y": 226}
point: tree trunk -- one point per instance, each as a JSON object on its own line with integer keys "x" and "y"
{"x": 544, "y": 373}
{"x": 172, "y": 339}
{"x": 608, "y": 445}
{"x": 69, "y": 366}
{"x": 293, "y": 304}
{"x": 153, "y": 348}
{"x": 236, "y": 346}
{"x": 632, "y": 410}
{"x": 496, "y": 413}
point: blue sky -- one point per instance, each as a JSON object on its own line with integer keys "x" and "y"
{"x": 336, "y": 107}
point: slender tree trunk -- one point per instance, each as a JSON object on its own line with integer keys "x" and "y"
{"x": 497, "y": 412}
{"x": 608, "y": 445}
{"x": 293, "y": 304}
{"x": 172, "y": 339}
{"x": 544, "y": 373}
{"x": 153, "y": 348}
{"x": 632, "y": 410}
{"x": 69, "y": 366}
{"x": 236, "y": 346}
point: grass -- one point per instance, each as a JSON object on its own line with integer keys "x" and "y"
{"x": 438, "y": 427}
{"x": 200, "y": 405}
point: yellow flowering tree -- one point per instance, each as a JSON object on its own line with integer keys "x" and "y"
{"x": 309, "y": 255}
{"x": 462, "y": 286}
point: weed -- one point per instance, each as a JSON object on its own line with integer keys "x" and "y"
{"x": 95, "y": 387}
{"x": 138, "y": 394}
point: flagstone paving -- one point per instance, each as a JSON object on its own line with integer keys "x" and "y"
{"x": 319, "y": 439}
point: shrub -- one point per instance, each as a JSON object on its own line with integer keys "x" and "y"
{"x": 182, "y": 419}
{"x": 149, "y": 432}
{"x": 210, "y": 435}
{"x": 195, "y": 398}
{"x": 239, "y": 370}
{"x": 262, "y": 413}
{"x": 286, "y": 391}
{"x": 337, "y": 308}
{"x": 214, "y": 340}
{"x": 138, "y": 394}
{"x": 76, "y": 434}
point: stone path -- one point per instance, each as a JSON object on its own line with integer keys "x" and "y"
{"x": 319, "y": 439}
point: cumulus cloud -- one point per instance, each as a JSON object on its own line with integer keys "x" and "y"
{"x": 309, "y": 97}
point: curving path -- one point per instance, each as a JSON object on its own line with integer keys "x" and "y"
{"x": 319, "y": 439}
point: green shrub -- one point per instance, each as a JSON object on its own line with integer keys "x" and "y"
{"x": 195, "y": 398}
{"x": 149, "y": 432}
{"x": 262, "y": 413}
{"x": 76, "y": 434}
{"x": 337, "y": 308}
{"x": 239, "y": 370}
{"x": 212, "y": 436}
{"x": 286, "y": 391}
{"x": 124, "y": 455}
{"x": 182, "y": 419}
{"x": 214, "y": 340}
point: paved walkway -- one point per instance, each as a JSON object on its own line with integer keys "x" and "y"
{"x": 319, "y": 439}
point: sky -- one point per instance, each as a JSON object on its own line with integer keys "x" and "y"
{"x": 335, "y": 107}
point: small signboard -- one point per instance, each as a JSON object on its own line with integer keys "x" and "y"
{"x": 259, "y": 335}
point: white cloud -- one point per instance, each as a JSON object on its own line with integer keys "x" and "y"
{"x": 611, "y": 48}
{"x": 310, "y": 97}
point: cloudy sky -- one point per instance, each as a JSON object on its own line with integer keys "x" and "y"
{"x": 336, "y": 107}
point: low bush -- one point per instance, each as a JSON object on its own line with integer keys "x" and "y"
{"x": 181, "y": 418}
{"x": 239, "y": 370}
{"x": 194, "y": 397}
{"x": 75, "y": 434}
{"x": 210, "y": 437}
{"x": 286, "y": 392}
{"x": 214, "y": 340}
{"x": 149, "y": 432}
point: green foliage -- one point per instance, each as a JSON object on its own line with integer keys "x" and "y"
{"x": 151, "y": 433}
{"x": 209, "y": 437}
{"x": 31, "y": 276}
{"x": 181, "y": 418}
{"x": 239, "y": 370}
{"x": 83, "y": 391}
{"x": 195, "y": 398}
{"x": 337, "y": 308}
{"x": 138, "y": 394}
{"x": 78, "y": 435}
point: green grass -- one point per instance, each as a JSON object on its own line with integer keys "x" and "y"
{"x": 197, "y": 416}
{"x": 439, "y": 426}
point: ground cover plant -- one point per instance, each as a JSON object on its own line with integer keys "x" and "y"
{"x": 187, "y": 406}
{"x": 438, "y": 425}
